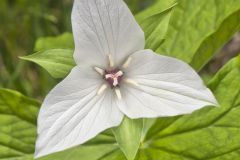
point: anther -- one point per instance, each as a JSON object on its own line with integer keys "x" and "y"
{"x": 111, "y": 62}
{"x": 118, "y": 93}
{"x": 127, "y": 62}
{"x": 99, "y": 70}
{"x": 132, "y": 82}
{"x": 102, "y": 89}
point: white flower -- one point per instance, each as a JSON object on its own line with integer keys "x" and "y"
{"x": 114, "y": 77}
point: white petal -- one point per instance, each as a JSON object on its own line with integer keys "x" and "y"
{"x": 165, "y": 87}
{"x": 102, "y": 28}
{"x": 73, "y": 113}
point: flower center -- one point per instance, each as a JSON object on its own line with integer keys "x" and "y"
{"x": 113, "y": 77}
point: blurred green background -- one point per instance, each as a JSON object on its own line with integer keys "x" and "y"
{"x": 23, "y": 21}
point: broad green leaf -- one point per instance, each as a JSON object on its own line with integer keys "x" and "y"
{"x": 128, "y": 135}
{"x": 157, "y": 8}
{"x": 17, "y": 125}
{"x": 210, "y": 133}
{"x": 154, "y": 21}
{"x": 58, "y": 62}
{"x": 155, "y": 28}
{"x": 63, "y": 41}
{"x": 198, "y": 29}
{"x": 216, "y": 40}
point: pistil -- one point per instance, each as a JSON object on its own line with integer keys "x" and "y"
{"x": 113, "y": 77}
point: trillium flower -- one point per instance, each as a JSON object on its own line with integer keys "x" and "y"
{"x": 114, "y": 77}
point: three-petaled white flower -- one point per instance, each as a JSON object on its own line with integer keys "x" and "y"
{"x": 114, "y": 77}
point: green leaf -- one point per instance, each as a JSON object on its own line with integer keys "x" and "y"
{"x": 210, "y": 133}
{"x": 198, "y": 29}
{"x": 58, "y": 62}
{"x": 154, "y": 21}
{"x": 216, "y": 40}
{"x": 128, "y": 135}
{"x": 63, "y": 41}
{"x": 157, "y": 8}
{"x": 17, "y": 125}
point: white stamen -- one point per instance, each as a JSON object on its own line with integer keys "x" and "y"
{"x": 132, "y": 82}
{"x": 127, "y": 62}
{"x": 111, "y": 62}
{"x": 102, "y": 89}
{"x": 99, "y": 70}
{"x": 115, "y": 82}
{"x": 118, "y": 93}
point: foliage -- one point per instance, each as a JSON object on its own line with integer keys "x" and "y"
{"x": 57, "y": 67}
{"x": 18, "y": 116}
{"x": 195, "y": 136}
{"x": 205, "y": 21}
{"x": 192, "y": 31}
